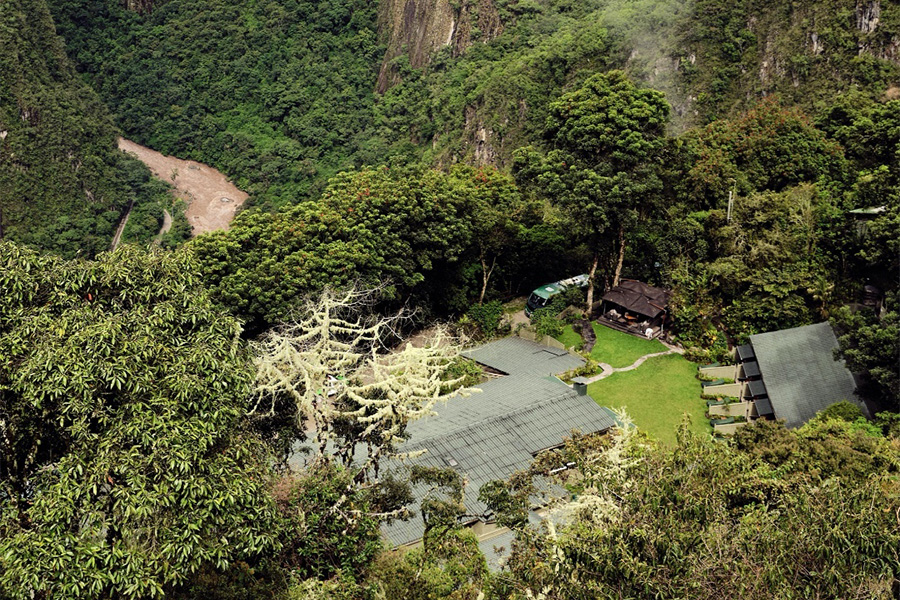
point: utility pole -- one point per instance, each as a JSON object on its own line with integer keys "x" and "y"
{"x": 731, "y": 194}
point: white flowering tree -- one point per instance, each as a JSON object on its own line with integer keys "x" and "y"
{"x": 349, "y": 388}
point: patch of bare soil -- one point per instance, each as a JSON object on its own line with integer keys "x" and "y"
{"x": 212, "y": 200}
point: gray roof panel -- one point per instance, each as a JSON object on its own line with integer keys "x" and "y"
{"x": 800, "y": 372}
{"x": 745, "y": 352}
{"x": 516, "y": 356}
{"x": 751, "y": 369}
{"x": 757, "y": 389}
{"x": 495, "y": 432}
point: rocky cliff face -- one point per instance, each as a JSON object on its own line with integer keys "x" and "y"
{"x": 419, "y": 28}
{"x": 804, "y": 51}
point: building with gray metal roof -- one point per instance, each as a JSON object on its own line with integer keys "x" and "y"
{"x": 491, "y": 434}
{"x": 516, "y": 356}
{"x": 800, "y": 374}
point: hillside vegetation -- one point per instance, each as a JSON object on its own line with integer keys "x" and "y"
{"x": 216, "y": 421}
{"x": 63, "y": 184}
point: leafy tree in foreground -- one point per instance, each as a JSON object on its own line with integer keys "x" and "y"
{"x": 123, "y": 465}
{"x": 606, "y": 141}
{"x": 452, "y": 568}
{"x": 710, "y": 520}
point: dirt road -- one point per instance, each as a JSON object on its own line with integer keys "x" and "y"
{"x": 212, "y": 199}
{"x": 118, "y": 237}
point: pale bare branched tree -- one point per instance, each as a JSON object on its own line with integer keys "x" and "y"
{"x": 350, "y": 389}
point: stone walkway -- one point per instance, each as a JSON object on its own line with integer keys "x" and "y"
{"x": 608, "y": 370}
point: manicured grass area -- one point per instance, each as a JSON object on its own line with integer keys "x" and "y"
{"x": 656, "y": 395}
{"x": 569, "y": 337}
{"x": 613, "y": 347}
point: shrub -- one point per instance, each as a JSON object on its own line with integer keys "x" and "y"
{"x": 487, "y": 316}
{"x": 842, "y": 411}
{"x": 547, "y": 324}
{"x": 468, "y": 370}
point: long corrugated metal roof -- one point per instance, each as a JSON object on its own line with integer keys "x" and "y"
{"x": 492, "y": 434}
{"x": 496, "y": 448}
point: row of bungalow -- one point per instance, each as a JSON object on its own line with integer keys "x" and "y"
{"x": 790, "y": 374}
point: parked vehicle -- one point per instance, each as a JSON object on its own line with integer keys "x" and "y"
{"x": 542, "y": 296}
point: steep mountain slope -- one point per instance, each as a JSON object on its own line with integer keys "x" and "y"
{"x": 282, "y": 94}
{"x": 63, "y": 184}
{"x": 277, "y": 94}
{"x": 807, "y": 52}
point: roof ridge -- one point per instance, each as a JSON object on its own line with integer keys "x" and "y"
{"x": 567, "y": 392}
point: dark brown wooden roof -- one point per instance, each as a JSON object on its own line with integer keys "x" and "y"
{"x": 638, "y": 297}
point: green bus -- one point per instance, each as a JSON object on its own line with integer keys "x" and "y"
{"x": 541, "y": 297}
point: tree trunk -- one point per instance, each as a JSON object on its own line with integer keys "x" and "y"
{"x": 485, "y": 277}
{"x": 590, "y": 290}
{"x": 621, "y": 256}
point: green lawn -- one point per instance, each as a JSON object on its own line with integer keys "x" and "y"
{"x": 613, "y": 347}
{"x": 656, "y": 395}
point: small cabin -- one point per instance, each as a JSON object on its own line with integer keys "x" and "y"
{"x": 636, "y": 308}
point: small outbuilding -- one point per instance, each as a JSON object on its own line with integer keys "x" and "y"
{"x": 636, "y": 308}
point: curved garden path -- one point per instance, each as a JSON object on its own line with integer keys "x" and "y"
{"x": 608, "y": 370}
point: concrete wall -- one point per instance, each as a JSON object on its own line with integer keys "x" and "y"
{"x": 546, "y": 340}
{"x": 726, "y": 372}
{"x": 728, "y": 429}
{"x": 735, "y": 409}
{"x": 552, "y": 342}
{"x": 729, "y": 389}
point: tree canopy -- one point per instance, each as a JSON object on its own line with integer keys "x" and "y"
{"x": 775, "y": 513}
{"x": 414, "y": 228}
{"x": 602, "y": 167}
{"x": 124, "y": 466}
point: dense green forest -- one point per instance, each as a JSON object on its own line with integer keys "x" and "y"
{"x": 63, "y": 185}
{"x": 280, "y": 95}
{"x": 152, "y": 399}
